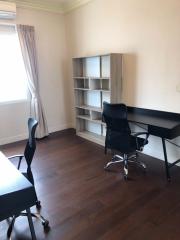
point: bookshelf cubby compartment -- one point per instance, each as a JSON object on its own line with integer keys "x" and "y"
{"x": 96, "y": 79}
{"x": 95, "y": 84}
{"x": 92, "y": 67}
{"x": 105, "y": 84}
{"x": 96, "y": 115}
{"x": 88, "y": 98}
{"x": 83, "y": 113}
{"x": 81, "y": 83}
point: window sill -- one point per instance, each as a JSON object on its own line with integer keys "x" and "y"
{"x": 14, "y": 102}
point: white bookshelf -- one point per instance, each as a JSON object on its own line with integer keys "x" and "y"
{"x": 96, "y": 79}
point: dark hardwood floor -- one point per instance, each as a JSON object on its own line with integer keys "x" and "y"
{"x": 83, "y": 202}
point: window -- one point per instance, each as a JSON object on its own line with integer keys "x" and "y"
{"x": 13, "y": 79}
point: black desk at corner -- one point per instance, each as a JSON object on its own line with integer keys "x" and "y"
{"x": 165, "y": 125}
{"x": 16, "y": 192}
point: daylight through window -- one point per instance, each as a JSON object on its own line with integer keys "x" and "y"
{"x": 13, "y": 79}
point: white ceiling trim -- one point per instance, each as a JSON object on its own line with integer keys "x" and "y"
{"x": 74, "y": 4}
{"x": 50, "y": 6}
{"x": 39, "y": 5}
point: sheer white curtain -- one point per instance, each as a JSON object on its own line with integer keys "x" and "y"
{"x": 27, "y": 41}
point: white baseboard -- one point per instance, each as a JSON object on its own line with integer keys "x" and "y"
{"x": 60, "y": 127}
{"x": 13, "y": 139}
{"x": 24, "y": 135}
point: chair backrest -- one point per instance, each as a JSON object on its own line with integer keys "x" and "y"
{"x": 118, "y": 132}
{"x": 115, "y": 117}
{"x": 31, "y": 143}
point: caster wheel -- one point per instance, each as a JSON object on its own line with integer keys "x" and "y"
{"x": 125, "y": 177}
{"x": 38, "y": 205}
{"x": 107, "y": 169}
{"x": 45, "y": 224}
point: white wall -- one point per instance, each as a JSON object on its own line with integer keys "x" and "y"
{"x": 148, "y": 34}
{"x": 54, "y": 85}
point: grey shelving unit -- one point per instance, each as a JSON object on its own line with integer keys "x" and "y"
{"x": 96, "y": 79}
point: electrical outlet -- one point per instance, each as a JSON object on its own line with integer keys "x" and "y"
{"x": 178, "y": 87}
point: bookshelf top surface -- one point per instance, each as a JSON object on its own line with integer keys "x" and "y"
{"x": 100, "y": 55}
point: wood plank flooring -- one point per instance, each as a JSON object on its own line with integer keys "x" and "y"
{"x": 84, "y": 202}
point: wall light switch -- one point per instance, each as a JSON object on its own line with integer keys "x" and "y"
{"x": 178, "y": 87}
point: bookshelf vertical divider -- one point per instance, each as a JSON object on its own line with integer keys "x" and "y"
{"x": 96, "y": 79}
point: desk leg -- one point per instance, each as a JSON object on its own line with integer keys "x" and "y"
{"x": 166, "y": 160}
{"x": 31, "y": 226}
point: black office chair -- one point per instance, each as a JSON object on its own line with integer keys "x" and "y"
{"x": 119, "y": 137}
{"x": 28, "y": 156}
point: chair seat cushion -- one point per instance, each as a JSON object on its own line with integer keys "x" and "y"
{"x": 123, "y": 142}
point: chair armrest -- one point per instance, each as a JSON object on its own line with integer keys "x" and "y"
{"x": 139, "y": 134}
{"x": 16, "y": 156}
{"x": 20, "y": 156}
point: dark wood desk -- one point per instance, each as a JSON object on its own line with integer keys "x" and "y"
{"x": 165, "y": 125}
{"x": 16, "y": 193}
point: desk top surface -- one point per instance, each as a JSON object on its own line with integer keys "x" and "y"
{"x": 11, "y": 180}
{"x": 154, "y": 118}
{"x": 16, "y": 192}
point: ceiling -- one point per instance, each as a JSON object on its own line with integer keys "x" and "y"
{"x": 62, "y": 1}
{"x": 50, "y": 1}
{"x": 59, "y": 6}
